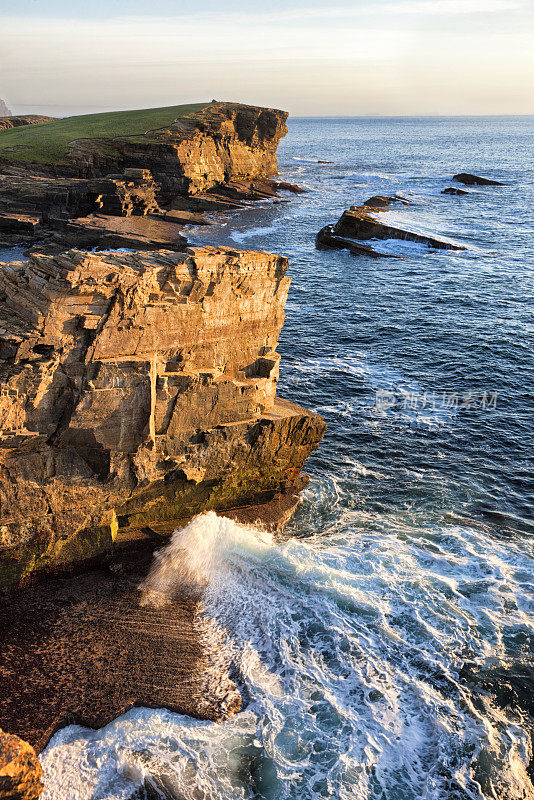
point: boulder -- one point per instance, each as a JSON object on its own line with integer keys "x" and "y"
{"x": 20, "y": 771}
{"x": 474, "y": 180}
{"x": 454, "y": 190}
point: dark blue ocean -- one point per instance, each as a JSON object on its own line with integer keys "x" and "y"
{"x": 377, "y": 640}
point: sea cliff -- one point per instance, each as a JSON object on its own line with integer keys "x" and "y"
{"x": 139, "y": 389}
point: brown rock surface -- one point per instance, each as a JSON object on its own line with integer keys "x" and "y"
{"x": 360, "y": 224}
{"x": 327, "y": 240}
{"x": 138, "y": 389}
{"x": 221, "y": 143}
{"x": 27, "y": 119}
{"x": 382, "y": 201}
{"x": 20, "y": 771}
{"x": 84, "y": 650}
{"x": 136, "y": 233}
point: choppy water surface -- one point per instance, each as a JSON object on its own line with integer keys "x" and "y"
{"x": 364, "y": 639}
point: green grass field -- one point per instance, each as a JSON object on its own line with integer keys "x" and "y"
{"x": 48, "y": 143}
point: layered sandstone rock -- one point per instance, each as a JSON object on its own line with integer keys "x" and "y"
{"x": 224, "y": 142}
{"x": 361, "y": 224}
{"x": 221, "y": 143}
{"x": 219, "y": 158}
{"x": 100, "y": 652}
{"x": 20, "y": 771}
{"x": 136, "y": 390}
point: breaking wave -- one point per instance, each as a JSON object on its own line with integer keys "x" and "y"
{"x": 349, "y": 649}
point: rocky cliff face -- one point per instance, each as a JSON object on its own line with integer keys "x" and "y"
{"x": 4, "y": 110}
{"x": 137, "y": 390}
{"x": 223, "y": 142}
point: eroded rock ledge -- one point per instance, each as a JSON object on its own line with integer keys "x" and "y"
{"x": 138, "y": 390}
{"x": 360, "y": 226}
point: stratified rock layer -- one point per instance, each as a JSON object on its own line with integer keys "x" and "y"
{"x": 361, "y": 224}
{"x": 138, "y": 390}
{"x": 222, "y": 142}
{"x": 83, "y": 650}
{"x": 20, "y": 771}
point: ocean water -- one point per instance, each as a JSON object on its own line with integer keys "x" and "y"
{"x": 375, "y": 642}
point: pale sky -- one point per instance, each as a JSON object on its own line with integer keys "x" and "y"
{"x": 352, "y": 57}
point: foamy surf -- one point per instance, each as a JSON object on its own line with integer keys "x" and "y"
{"x": 349, "y": 649}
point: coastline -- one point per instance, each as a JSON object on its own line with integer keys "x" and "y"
{"x": 158, "y": 404}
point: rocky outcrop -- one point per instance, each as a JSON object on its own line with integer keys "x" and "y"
{"x": 221, "y": 143}
{"x": 28, "y": 119}
{"x": 326, "y": 239}
{"x": 138, "y": 390}
{"x": 20, "y": 771}
{"x": 131, "y": 193}
{"x": 454, "y": 190}
{"x": 474, "y": 180}
{"x": 216, "y": 159}
{"x": 382, "y": 201}
{"x": 360, "y": 224}
{"x": 4, "y": 110}
{"x": 136, "y": 233}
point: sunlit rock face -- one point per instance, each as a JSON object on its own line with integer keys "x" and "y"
{"x": 20, "y": 771}
{"x": 139, "y": 389}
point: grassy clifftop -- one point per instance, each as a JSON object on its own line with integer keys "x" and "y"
{"x": 48, "y": 143}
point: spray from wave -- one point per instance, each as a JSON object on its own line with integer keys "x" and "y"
{"x": 348, "y": 649}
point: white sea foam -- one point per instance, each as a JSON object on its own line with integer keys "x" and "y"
{"x": 400, "y": 247}
{"x": 414, "y": 403}
{"x": 349, "y": 648}
{"x": 253, "y": 233}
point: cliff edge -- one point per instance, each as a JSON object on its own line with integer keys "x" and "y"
{"x": 187, "y": 148}
{"x": 137, "y": 390}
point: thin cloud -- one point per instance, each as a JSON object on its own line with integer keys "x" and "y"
{"x": 400, "y": 7}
